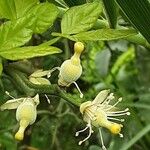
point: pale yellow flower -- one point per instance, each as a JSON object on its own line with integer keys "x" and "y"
{"x": 71, "y": 69}
{"x": 102, "y": 113}
{"x": 26, "y": 112}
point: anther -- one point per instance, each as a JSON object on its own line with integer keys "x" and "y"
{"x": 121, "y": 135}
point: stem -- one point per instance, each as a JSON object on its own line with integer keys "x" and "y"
{"x": 30, "y": 89}
{"x": 50, "y": 42}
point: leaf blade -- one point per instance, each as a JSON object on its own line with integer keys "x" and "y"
{"x": 43, "y": 18}
{"x": 111, "y": 12}
{"x": 29, "y": 52}
{"x": 7, "y": 9}
{"x": 80, "y": 18}
{"x": 16, "y": 33}
{"x": 23, "y": 6}
{"x": 138, "y": 13}
{"x": 103, "y": 35}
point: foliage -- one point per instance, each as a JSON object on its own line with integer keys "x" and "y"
{"x": 116, "y": 36}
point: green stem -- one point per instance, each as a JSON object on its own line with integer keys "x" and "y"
{"x": 30, "y": 89}
{"x": 50, "y": 42}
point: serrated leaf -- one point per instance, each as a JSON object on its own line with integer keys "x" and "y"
{"x": 45, "y": 14}
{"x": 7, "y": 9}
{"x": 29, "y": 52}
{"x": 13, "y": 9}
{"x": 16, "y": 33}
{"x": 80, "y": 18}
{"x": 111, "y": 12}
{"x": 138, "y": 13}
{"x": 23, "y": 6}
{"x": 103, "y": 35}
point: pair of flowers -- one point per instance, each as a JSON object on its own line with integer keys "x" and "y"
{"x": 99, "y": 113}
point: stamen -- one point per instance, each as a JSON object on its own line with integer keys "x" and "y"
{"x": 121, "y": 111}
{"x": 121, "y": 135}
{"x": 48, "y": 100}
{"x": 90, "y": 114}
{"x": 121, "y": 120}
{"x": 52, "y": 70}
{"x": 81, "y": 94}
{"x": 78, "y": 132}
{"x": 119, "y": 100}
{"x": 102, "y": 141}
{"x": 90, "y": 132}
{"x": 121, "y": 114}
{"x": 7, "y": 93}
{"x": 109, "y": 98}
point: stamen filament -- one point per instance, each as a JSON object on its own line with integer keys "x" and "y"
{"x": 121, "y": 120}
{"x": 7, "y": 93}
{"x": 90, "y": 132}
{"x": 48, "y": 100}
{"x": 109, "y": 98}
{"x": 81, "y": 94}
{"x": 121, "y": 111}
{"x": 119, "y": 100}
{"x": 122, "y": 114}
{"x": 102, "y": 141}
{"x": 78, "y": 132}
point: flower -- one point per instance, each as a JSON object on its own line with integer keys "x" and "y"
{"x": 101, "y": 113}
{"x": 26, "y": 112}
{"x": 71, "y": 69}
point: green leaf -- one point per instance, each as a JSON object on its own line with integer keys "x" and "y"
{"x": 103, "y": 34}
{"x": 23, "y": 6}
{"x": 80, "y": 18}
{"x": 45, "y": 14}
{"x": 111, "y": 12}
{"x": 7, "y": 9}
{"x": 138, "y": 13}
{"x": 13, "y": 9}
{"x": 29, "y": 52}
{"x": 1, "y": 66}
{"x": 15, "y": 33}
